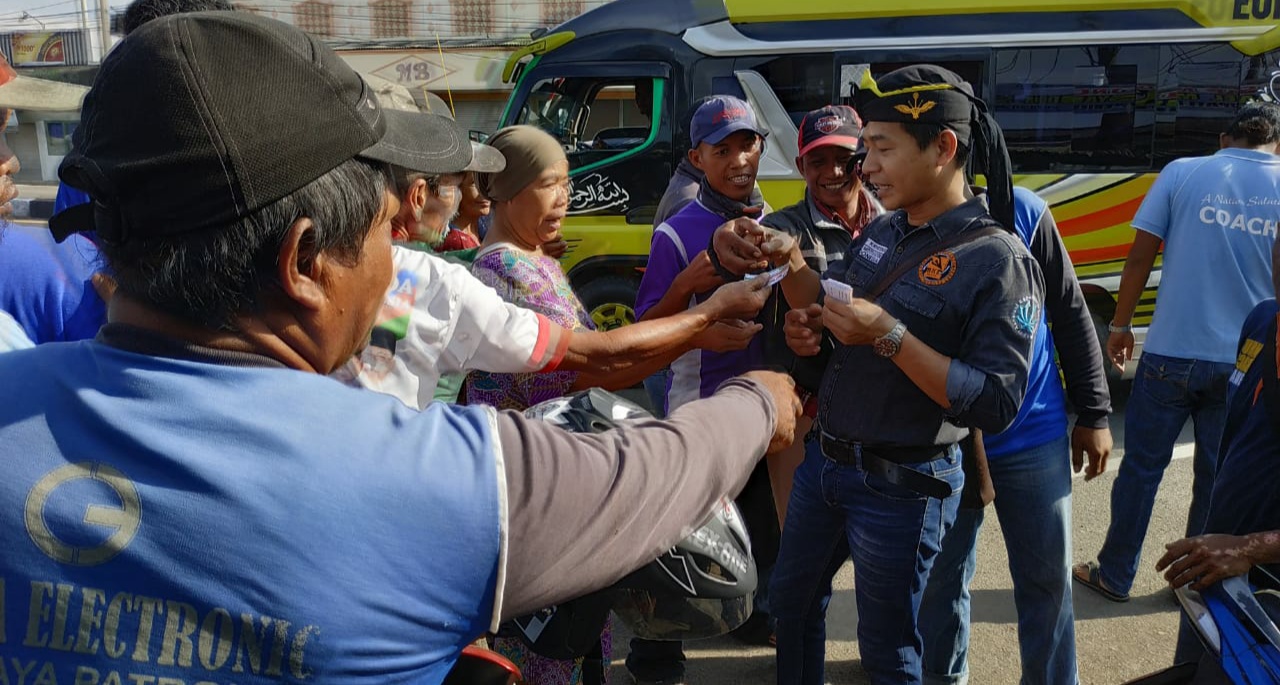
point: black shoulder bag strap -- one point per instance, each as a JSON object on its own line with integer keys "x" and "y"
{"x": 913, "y": 260}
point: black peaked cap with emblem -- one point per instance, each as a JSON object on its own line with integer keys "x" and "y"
{"x": 197, "y": 120}
{"x": 929, "y": 94}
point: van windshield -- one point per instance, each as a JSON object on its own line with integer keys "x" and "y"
{"x": 551, "y": 110}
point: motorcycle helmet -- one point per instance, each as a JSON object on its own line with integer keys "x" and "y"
{"x": 702, "y": 587}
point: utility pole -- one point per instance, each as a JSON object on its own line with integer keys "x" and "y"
{"x": 104, "y": 22}
{"x": 84, "y": 30}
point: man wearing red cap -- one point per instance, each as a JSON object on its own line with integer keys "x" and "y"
{"x": 835, "y": 208}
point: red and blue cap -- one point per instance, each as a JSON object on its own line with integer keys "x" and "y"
{"x": 719, "y": 117}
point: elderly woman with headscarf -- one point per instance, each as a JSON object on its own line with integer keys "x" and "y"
{"x": 530, "y": 199}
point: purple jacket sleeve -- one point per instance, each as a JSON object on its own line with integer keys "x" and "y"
{"x": 664, "y": 265}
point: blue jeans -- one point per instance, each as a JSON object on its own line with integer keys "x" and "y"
{"x": 1033, "y": 501}
{"x": 894, "y": 535}
{"x": 1166, "y": 391}
{"x": 655, "y": 387}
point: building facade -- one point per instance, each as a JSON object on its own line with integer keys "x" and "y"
{"x": 454, "y": 48}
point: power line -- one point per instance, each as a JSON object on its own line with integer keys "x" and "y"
{"x": 32, "y": 9}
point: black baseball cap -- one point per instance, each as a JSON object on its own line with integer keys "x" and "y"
{"x": 197, "y": 120}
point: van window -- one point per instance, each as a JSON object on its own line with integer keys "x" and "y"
{"x": 1078, "y": 108}
{"x": 594, "y": 119}
{"x": 802, "y": 82}
{"x": 1201, "y": 89}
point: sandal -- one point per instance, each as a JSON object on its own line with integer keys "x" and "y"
{"x": 1090, "y": 575}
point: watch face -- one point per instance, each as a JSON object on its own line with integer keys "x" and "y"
{"x": 886, "y": 347}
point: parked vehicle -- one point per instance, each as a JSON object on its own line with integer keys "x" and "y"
{"x": 1095, "y": 97}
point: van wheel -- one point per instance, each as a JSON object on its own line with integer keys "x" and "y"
{"x": 610, "y": 300}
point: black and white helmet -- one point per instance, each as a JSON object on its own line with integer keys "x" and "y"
{"x": 702, "y": 587}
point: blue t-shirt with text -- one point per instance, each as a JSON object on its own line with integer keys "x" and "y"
{"x": 193, "y": 522}
{"x": 1218, "y": 217}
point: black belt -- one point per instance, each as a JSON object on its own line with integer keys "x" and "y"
{"x": 890, "y": 469}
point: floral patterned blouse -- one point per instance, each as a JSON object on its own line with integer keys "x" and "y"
{"x": 533, "y": 282}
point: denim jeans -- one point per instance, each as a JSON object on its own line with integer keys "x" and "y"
{"x": 893, "y": 533}
{"x": 1033, "y": 502}
{"x": 1166, "y": 391}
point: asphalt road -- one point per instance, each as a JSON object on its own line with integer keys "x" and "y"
{"x": 1115, "y": 642}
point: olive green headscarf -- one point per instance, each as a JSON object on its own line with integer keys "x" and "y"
{"x": 529, "y": 152}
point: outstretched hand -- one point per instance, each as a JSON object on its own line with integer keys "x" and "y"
{"x": 787, "y": 403}
{"x": 740, "y": 300}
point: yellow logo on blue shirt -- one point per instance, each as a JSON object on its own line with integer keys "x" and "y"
{"x": 114, "y": 523}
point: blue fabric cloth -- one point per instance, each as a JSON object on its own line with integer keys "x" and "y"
{"x": 1217, "y": 216}
{"x": 1248, "y": 479}
{"x": 1042, "y": 418}
{"x": 894, "y": 534}
{"x": 1034, "y": 508}
{"x": 69, "y": 197}
{"x": 238, "y": 524}
{"x": 46, "y": 285}
{"x": 1166, "y": 392}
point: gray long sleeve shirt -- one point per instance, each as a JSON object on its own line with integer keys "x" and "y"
{"x": 584, "y": 510}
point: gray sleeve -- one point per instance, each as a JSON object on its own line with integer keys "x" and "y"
{"x": 680, "y": 192}
{"x": 585, "y": 510}
{"x": 1074, "y": 336}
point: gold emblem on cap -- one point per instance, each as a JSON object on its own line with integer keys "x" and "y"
{"x": 916, "y": 108}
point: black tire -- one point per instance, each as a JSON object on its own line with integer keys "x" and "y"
{"x": 610, "y": 300}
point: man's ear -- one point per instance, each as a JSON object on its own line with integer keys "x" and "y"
{"x": 946, "y": 145}
{"x": 1224, "y": 141}
{"x": 419, "y": 193}
{"x": 696, "y": 159}
{"x": 299, "y": 266}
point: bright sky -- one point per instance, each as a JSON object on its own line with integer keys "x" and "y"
{"x": 51, "y": 12}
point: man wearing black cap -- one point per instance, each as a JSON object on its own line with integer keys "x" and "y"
{"x": 946, "y": 348}
{"x": 188, "y": 498}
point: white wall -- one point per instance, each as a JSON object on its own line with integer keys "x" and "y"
{"x": 428, "y": 18}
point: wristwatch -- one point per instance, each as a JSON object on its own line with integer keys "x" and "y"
{"x": 888, "y": 344}
{"x": 1112, "y": 328}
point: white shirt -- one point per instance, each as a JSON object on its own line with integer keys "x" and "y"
{"x": 438, "y": 319}
{"x": 12, "y": 337}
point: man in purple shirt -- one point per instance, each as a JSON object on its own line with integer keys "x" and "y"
{"x": 727, "y": 143}
{"x": 726, "y": 147}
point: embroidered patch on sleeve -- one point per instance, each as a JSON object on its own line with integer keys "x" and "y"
{"x": 938, "y": 269}
{"x": 1026, "y": 316}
